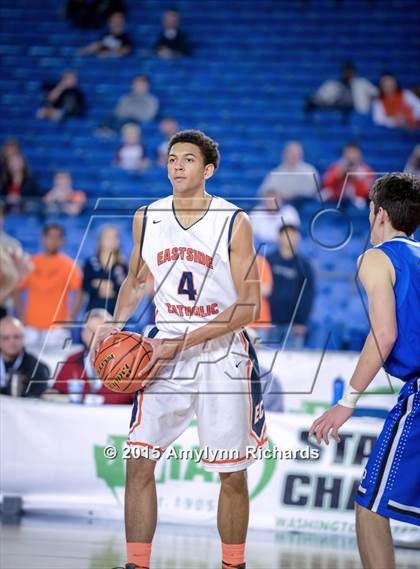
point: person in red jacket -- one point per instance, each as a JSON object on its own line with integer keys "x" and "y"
{"x": 79, "y": 365}
{"x": 350, "y": 173}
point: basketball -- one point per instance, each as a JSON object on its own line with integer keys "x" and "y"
{"x": 120, "y": 360}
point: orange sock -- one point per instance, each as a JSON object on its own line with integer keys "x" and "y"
{"x": 233, "y": 554}
{"x": 139, "y": 553}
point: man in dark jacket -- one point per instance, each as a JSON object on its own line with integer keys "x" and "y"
{"x": 293, "y": 291}
{"x": 172, "y": 41}
{"x": 21, "y": 374}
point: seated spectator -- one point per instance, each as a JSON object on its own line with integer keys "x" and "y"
{"x": 270, "y": 215}
{"x": 130, "y": 155}
{"x": 293, "y": 178}
{"x": 48, "y": 288}
{"x": 172, "y": 41}
{"x": 349, "y": 178}
{"x": 168, "y": 127}
{"x": 104, "y": 273}
{"x": 21, "y": 374}
{"x": 63, "y": 100}
{"x": 139, "y": 106}
{"x": 62, "y": 198}
{"x": 261, "y": 327}
{"x": 17, "y": 184}
{"x": 14, "y": 264}
{"x": 413, "y": 163}
{"x": 114, "y": 43}
{"x": 92, "y": 13}
{"x": 395, "y": 107}
{"x": 347, "y": 94}
{"x": 80, "y": 365}
{"x": 10, "y": 147}
{"x": 293, "y": 291}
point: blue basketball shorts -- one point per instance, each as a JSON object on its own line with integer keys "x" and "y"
{"x": 391, "y": 481}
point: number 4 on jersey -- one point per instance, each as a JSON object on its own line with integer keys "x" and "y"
{"x": 186, "y": 285}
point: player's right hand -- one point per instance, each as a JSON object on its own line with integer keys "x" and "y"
{"x": 102, "y": 333}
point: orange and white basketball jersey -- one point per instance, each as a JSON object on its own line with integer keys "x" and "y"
{"x": 190, "y": 266}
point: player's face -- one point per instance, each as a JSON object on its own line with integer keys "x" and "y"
{"x": 375, "y": 225}
{"x": 186, "y": 169}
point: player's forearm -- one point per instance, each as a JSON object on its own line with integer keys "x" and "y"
{"x": 375, "y": 351}
{"x": 129, "y": 296}
{"x": 233, "y": 318}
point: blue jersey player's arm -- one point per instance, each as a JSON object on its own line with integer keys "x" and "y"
{"x": 377, "y": 275}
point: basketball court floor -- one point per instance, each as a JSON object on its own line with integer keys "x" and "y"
{"x": 63, "y": 543}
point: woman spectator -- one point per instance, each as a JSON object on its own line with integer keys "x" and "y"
{"x": 395, "y": 107}
{"x": 62, "y": 198}
{"x": 17, "y": 182}
{"x": 105, "y": 271}
{"x": 63, "y": 100}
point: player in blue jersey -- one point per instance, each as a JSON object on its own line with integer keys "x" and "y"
{"x": 390, "y": 274}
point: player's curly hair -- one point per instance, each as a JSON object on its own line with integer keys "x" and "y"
{"x": 208, "y": 147}
{"x": 398, "y": 194}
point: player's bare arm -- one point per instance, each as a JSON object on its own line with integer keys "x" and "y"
{"x": 133, "y": 287}
{"x": 246, "y": 309}
{"x": 377, "y": 275}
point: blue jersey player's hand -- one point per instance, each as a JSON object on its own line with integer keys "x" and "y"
{"x": 331, "y": 420}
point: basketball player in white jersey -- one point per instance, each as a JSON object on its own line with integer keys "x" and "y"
{"x": 199, "y": 249}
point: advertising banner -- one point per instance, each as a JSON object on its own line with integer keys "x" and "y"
{"x": 71, "y": 458}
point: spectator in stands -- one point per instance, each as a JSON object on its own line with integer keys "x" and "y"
{"x": 114, "y": 43}
{"x": 413, "y": 163}
{"x": 172, "y": 41}
{"x": 396, "y": 107}
{"x": 168, "y": 127}
{"x": 293, "y": 291}
{"x": 270, "y": 215}
{"x": 80, "y": 366}
{"x": 18, "y": 184}
{"x": 350, "y": 93}
{"x": 293, "y": 178}
{"x": 261, "y": 327}
{"x": 92, "y": 13}
{"x": 62, "y": 198}
{"x": 21, "y": 374}
{"x": 63, "y": 100}
{"x": 349, "y": 177}
{"x": 48, "y": 288}
{"x": 130, "y": 155}
{"x": 10, "y": 147}
{"x": 14, "y": 265}
{"x": 104, "y": 273}
{"x": 139, "y": 106}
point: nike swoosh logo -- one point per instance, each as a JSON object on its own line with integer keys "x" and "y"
{"x": 237, "y": 365}
{"x": 157, "y": 221}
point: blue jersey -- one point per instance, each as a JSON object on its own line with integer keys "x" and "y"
{"x": 404, "y": 360}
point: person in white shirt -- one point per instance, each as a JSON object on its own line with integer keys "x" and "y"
{"x": 395, "y": 107}
{"x": 130, "y": 155}
{"x": 271, "y": 214}
{"x": 293, "y": 178}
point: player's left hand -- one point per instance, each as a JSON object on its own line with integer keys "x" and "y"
{"x": 331, "y": 420}
{"x": 164, "y": 352}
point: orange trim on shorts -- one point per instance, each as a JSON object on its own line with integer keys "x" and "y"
{"x": 139, "y": 412}
{"x": 240, "y": 459}
{"x": 162, "y": 450}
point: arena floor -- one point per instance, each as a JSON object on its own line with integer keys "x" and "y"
{"x": 57, "y": 543}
